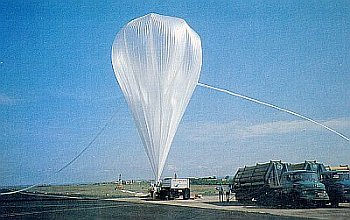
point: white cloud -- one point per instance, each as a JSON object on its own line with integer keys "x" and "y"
{"x": 206, "y": 131}
{"x": 219, "y": 148}
{"x": 273, "y": 128}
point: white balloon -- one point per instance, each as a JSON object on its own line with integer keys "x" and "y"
{"x": 157, "y": 61}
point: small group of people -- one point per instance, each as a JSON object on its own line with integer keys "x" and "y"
{"x": 153, "y": 190}
{"x": 224, "y": 190}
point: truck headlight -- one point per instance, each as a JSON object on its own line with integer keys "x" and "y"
{"x": 322, "y": 193}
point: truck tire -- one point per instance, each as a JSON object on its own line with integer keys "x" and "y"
{"x": 171, "y": 195}
{"x": 321, "y": 204}
{"x": 186, "y": 194}
{"x": 295, "y": 201}
{"x": 162, "y": 195}
{"x": 334, "y": 203}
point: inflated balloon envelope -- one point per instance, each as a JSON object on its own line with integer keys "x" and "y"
{"x": 157, "y": 61}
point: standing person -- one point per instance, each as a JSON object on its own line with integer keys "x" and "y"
{"x": 221, "y": 193}
{"x": 152, "y": 191}
{"x": 228, "y": 192}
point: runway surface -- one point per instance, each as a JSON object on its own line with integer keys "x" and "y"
{"x": 98, "y": 209}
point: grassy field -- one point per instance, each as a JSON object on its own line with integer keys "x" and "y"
{"x": 204, "y": 190}
{"x": 110, "y": 190}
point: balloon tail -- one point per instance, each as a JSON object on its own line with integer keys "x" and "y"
{"x": 273, "y": 106}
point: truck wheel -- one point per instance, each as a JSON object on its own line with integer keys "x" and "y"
{"x": 186, "y": 194}
{"x": 334, "y": 204}
{"x": 321, "y": 204}
{"x": 171, "y": 195}
{"x": 296, "y": 202}
{"x": 162, "y": 195}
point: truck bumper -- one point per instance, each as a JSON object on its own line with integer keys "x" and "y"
{"x": 315, "y": 196}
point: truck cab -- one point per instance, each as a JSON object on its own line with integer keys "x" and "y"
{"x": 338, "y": 186}
{"x": 302, "y": 187}
{"x": 335, "y": 179}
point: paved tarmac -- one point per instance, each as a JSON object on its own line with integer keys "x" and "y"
{"x": 98, "y": 209}
{"x": 342, "y": 212}
{"x": 45, "y": 207}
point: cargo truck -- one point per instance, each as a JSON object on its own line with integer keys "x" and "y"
{"x": 273, "y": 184}
{"x": 172, "y": 188}
{"x": 335, "y": 179}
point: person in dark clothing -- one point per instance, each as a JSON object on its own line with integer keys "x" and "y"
{"x": 221, "y": 193}
{"x": 228, "y": 192}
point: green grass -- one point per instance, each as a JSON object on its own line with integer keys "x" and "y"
{"x": 108, "y": 190}
{"x": 105, "y": 190}
{"x": 204, "y": 190}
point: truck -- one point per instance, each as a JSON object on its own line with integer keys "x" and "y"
{"x": 272, "y": 183}
{"x": 172, "y": 188}
{"x": 335, "y": 179}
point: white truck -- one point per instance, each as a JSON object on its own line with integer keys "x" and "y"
{"x": 172, "y": 188}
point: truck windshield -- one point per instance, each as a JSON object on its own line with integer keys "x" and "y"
{"x": 304, "y": 177}
{"x": 343, "y": 176}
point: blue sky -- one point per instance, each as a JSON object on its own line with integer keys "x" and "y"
{"x": 58, "y": 88}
